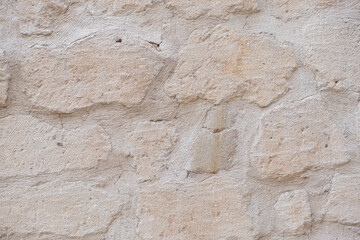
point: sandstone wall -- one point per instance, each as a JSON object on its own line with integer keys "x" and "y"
{"x": 178, "y": 119}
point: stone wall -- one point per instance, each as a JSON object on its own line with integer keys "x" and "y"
{"x": 178, "y": 119}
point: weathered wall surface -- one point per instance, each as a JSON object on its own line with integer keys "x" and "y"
{"x": 177, "y": 119}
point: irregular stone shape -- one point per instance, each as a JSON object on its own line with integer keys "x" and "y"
{"x": 95, "y": 70}
{"x": 4, "y": 79}
{"x": 37, "y": 17}
{"x": 215, "y": 119}
{"x": 295, "y": 137}
{"x": 332, "y": 52}
{"x": 72, "y": 210}
{"x": 212, "y": 209}
{"x": 294, "y": 213}
{"x": 221, "y": 64}
{"x": 32, "y": 147}
{"x": 150, "y": 144}
{"x": 343, "y": 205}
{"x": 117, "y": 6}
{"x": 215, "y": 8}
{"x": 213, "y": 151}
{"x": 293, "y": 9}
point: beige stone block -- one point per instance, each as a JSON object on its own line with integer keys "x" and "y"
{"x": 68, "y": 210}
{"x": 150, "y": 144}
{"x": 293, "y": 212}
{"x": 91, "y": 71}
{"x": 332, "y": 53}
{"x": 117, "y": 6}
{"x": 216, "y": 119}
{"x": 213, "y": 209}
{"x": 31, "y": 147}
{"x": 295, "y": 137}
{"x": 216, "y": 8}
{"x": 212, "y": 152}
{"x": 220, "y": 64}
{"x": 4, "y": 79}
{"x": 293, "y": 9}
{"x": 343, "y": 205}
{"x": 37, "y": 17}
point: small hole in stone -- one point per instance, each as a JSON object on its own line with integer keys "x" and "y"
{"x": 336, "y": 82}
{"x": 119, "y": 40}
{"x": 326, "y": 145}
{"x": 60, "y": 144}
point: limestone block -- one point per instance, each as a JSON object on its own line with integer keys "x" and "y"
{"x": 216, "y": 119}
{"x": 4, "y": 79}
{"x": 343, "y": 205}
{"x": 150, "y": 144}
{"x": 71, "y": 210}
{"x": 295, "y": 137}
{"x": 212, "y": 209}
{"x": 31, "y": 147}
{"x": 216, "y": 8}
{"x": 220, "y": 64}
{"x": 332, "y": 52}
{"x": 37, "y": 17}
{"x": 294, "y": 213}
{"x": 293, "y": 9}
{"x": 213, "y": 151}
{"x": 117, "y": 6}
{"x": 95, "y": 70}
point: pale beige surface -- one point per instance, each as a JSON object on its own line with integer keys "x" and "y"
{"x": 177, "y": 119}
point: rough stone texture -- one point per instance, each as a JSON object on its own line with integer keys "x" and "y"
{"x": 332, "y": 47}
{"x": 94, "y": 70}
{"x": 294, "y": 212}
{"x": 292, "y": 9}
{"x": 32, "y": 147}
{"x": 295, "y": 137}
{"x": 38, "y": 17}
{"x": 216, "y": 8}
{"x": 213, "y": 209}
{"x": 343, "y": 205}
{"x": 220, "y": 64}
{"x": 150, "y": 144}
{"x": 4, "y": 79}
{"x": 74, "y": 210}
{"x": 179, "y": 119}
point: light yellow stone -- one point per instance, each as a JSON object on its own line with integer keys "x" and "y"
{"x": 4, "y": 79}
{"x": 94, "y": 70}
{"x": 294, "y": 213}
{"x": 213, "y": 151}
{"x": 293, "y": 9}
{"x": 343, "y": 205}
{"x": 218, "y": 8}
{"x": 150, "y": 144}
{"x": 31, "y": 147}
{"x": 71, "y": 210}
{"x": 332, "y": 52}
{"x": 37, "y": 17}
{"x": 213, "y": 209}
{"x": 117, "y": 6}
{"x": 222, "y": 64}
{"x": 295, "y": 137}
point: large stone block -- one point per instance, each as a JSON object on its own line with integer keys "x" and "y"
{"x": 294, "y": 213}
{"x": 99, "y": 69}
{"x": 68, "y": 210}
{"x": 343, "y": 205}
{"x": 4, "y": 79}
{"x": 150, "y": 144}
{"x": 220, "y": 64}
{"x": 31, "y": 147}
{"x": 295, "y": 137}
{"x": 213, "y": 209}
{"x": 332, "y": 52}
{"x": 216, "y": 8}
{"x": 37, "y": 17}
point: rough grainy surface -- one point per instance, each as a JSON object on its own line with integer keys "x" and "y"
{"x": 177, "y": 119}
